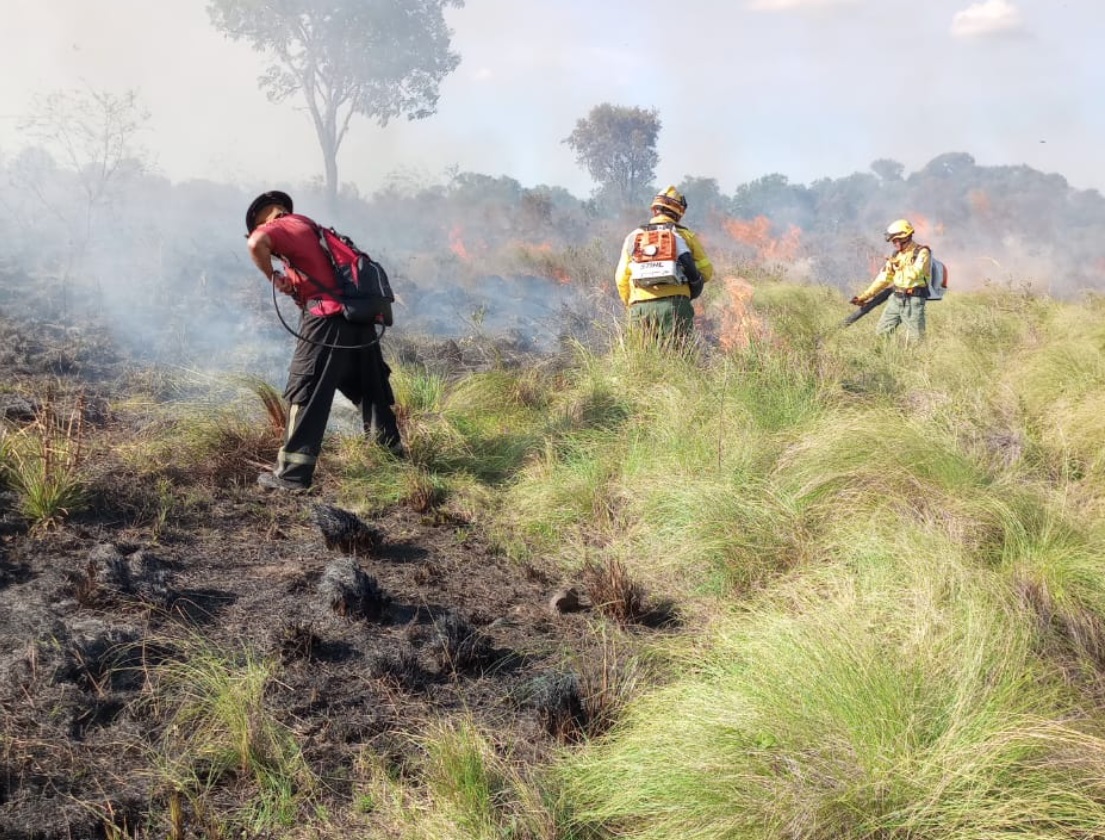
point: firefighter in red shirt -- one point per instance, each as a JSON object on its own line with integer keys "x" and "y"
{"x": 331, "y": 354}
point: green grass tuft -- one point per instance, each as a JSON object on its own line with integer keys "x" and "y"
{"x": 44, "y": 463}
{"x": 896, "y": 702}
{"x": 219, "y": 733}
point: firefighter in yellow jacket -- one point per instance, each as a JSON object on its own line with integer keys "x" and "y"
{"x": 662, "y": 268}
{"x": 908, "y": 272}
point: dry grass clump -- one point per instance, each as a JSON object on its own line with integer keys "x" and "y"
{"x": 433, "y": 442}
{"x": 614, "y": 593}
{"x": 276, "y": 409}
{"x": 1081, "y": 628}
{"x": 1052, "y": 562}
{"x": 212, "y": 448}
{"x": 425, "y": 491}
{"x": 233, "y": 451}
{"x": 210, "y": 444}
{"x": 296, "y": 640}
{"x": 584, "y": 703}
{"x": 607, "y": 685}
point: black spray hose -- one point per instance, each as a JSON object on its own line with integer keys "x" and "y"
{"x": 288, "y": 327}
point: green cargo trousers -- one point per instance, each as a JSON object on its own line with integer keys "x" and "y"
{"x": 663, "y": 318}
{"x": 907, "y": 311}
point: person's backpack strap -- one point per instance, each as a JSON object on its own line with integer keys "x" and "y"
{"x": 316, "y": 228}
{"x": 917, "y": 256}
{"x": 695, "y": 281}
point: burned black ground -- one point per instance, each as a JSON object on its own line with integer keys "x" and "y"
{"x": 419, "y": 621}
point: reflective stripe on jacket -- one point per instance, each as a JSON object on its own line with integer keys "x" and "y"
{"x": 909, "y": 269}
{"x": 632, "y": 294}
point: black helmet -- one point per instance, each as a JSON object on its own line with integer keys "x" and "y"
{"x": 264, "y": 200}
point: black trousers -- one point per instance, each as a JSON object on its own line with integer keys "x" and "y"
{"x": 316, "y": 372}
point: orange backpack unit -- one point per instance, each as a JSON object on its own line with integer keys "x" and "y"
{"x": 654, "y": 260}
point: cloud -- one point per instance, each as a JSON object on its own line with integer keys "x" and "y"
{"x": 787, "y": 5}
{"x": 483, "y": 74}
{"x": 987, "y": 19}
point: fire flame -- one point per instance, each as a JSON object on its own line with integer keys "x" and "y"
{"x": 739, "y": 322}
{"x": 543, "y": 259}
{"x": 539, "y": 258}
{"x": 979, "y": 201}
{"x": 756, "y": 234}
{"x": 924, "y": 227}
{"x": 456, "y": 243}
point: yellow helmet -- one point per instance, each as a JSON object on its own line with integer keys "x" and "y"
{"x": 900, "y": 229}
{"x": 670, "y": 202}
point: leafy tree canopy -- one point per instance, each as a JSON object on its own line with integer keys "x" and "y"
{"x": 617, "y": 146}
{"x": 703, "y": 196}
{"x": 377, "y": 58}
{"x": 888, "y": 169}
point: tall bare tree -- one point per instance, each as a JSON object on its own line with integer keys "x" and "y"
{"x": 95, "y": 134}
{"x": 87, "y": 148}
{"x": 377, "y": 58}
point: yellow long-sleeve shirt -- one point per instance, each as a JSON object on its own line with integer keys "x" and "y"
{"x": 633, "y": 294}
{"x": 910, "y": 268}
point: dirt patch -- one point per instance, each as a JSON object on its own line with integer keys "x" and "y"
{"x": 378, "y": 627}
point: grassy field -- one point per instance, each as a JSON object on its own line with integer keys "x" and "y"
{"x": 885, "y": 564}
{"x": 887, "y": 561}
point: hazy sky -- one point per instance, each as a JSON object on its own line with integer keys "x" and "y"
{"x": 808, "y": 88}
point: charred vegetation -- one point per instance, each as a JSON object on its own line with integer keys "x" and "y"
{"x": 132, "y": 612}
{"x": 346, "y": 532}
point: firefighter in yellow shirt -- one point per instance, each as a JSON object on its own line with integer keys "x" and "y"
{"x": 662, "y": 268}
{"x": 908, "y": 272}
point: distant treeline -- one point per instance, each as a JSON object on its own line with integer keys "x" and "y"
{"x": 140, "y": 236}
{"x": 1004, "y": 224}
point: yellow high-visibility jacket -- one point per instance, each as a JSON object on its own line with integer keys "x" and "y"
{"x": 632, "y": 294}
{"x": 911, "y": 268}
